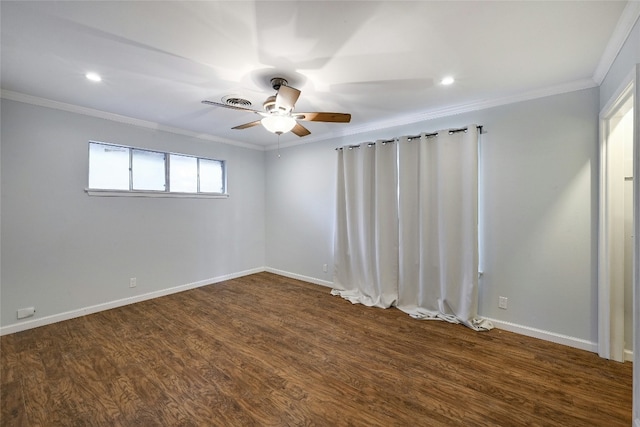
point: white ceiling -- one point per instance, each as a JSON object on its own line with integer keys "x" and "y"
{"x": 380, "y": 61}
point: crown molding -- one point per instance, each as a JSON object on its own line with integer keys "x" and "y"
{"x": 356, "y": 130}
{"x": 625, "y": 24}
{"x": 43, "y": 102}
{"x": 451, "y": 111}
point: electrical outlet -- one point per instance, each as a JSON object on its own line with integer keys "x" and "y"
{"x": 502, "y": 302}
{"x": 26, "y": 312}
{"x": 132, "y": 282}
{"x": 325, "y": 267}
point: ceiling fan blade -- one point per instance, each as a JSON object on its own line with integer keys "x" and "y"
{"x": 286, "y": 98}
{"x": 233, "y": 107}
{"x": 300, "y": 130}
{"x": 247, "y": 125}
{"x": 324, "y": 117}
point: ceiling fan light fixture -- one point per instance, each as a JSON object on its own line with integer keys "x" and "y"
{"x": 278, "y": 124}
{"x": 278, "y": 114}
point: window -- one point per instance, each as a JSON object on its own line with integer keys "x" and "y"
{"x": 183, "y": 174}
{"x": 109, "y": 167}
{"x": 148, "y": 170}
{"x": 211, "y": 174}
{"x": 133, "y": 171}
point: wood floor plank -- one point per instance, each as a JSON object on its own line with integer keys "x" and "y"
{"x": 38, "y": 403}
{"x": 12, "y": 410}
{"x": 266, "y": 350}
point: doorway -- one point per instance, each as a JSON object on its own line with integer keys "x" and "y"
{"x": 616, "y": 231}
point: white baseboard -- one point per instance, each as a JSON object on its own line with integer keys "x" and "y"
{"x": 507, "y": 326}
{"x": 300, "y": 277}
{"x": 34, "y": 323}
{"x": 546, "y": 335}
{"x": 628, "y": 356}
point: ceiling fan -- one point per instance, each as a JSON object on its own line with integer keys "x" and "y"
{"x": 278, "y": 116}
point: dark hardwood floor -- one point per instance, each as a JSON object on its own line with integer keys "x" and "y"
{"x": 265, "y": 350}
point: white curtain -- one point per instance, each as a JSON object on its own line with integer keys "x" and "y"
{"x": 438, "y": 250}
{"x": 407, "y": 226}
{"x": 366, "y": 242}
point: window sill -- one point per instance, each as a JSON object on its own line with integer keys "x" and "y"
{"x": 123, "y": 193}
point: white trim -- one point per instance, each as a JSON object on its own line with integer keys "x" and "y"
{"x": 545, "y": 335}
{"x": 610, "y": 337}
{"x": 449, "y": 111}
{"x": 636, "y": 248}
{"x": 507, "y": 326}
{"x": 350, "y": 131}
{"x": 299, "y": 277}
{"x": 625, "y": 24}
{"x": 23, "y": 326}
{"x": 628, "y": 356}
{"x": 42, "y": 102}
{"x": 604, "y": 293}
{"x": 627, "y": 20}
{"x": 138, "y": 193}
{"x": 615, "y": 98}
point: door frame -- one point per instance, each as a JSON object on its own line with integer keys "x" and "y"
{"x": 636, "y": 248}
{"x": 611, "y": 232}
{"x": 610, "y": 340}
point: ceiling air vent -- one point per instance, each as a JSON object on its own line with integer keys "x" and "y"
{"x": 236, "y": 101}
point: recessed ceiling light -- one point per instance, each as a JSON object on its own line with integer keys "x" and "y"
{"x": 94, "y": 77}
{"x": 447, "y": 80}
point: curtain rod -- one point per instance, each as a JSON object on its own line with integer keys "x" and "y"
{"x": 409, "y": 138}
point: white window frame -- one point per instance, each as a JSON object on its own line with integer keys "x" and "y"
{"x": 156, "y": 193}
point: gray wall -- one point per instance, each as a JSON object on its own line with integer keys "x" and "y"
{"x": 300, "y": 210}
{"x": 63, "y": 250}
{"x": 538, "y": 213}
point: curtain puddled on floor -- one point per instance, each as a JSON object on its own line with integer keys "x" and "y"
{"x": 407, "y": 226}
{"x": 366, "y": 229}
